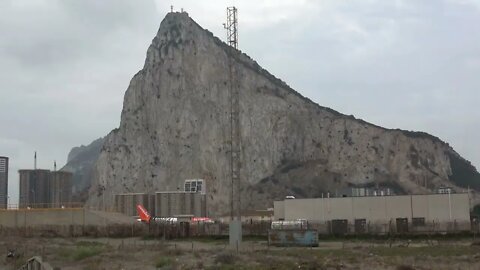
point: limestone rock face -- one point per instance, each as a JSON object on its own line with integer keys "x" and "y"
{"x": 175, "y": 125}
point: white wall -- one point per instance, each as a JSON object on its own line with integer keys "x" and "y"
{"x": 432, "y": 207}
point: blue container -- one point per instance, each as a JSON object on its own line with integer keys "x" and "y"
{"x": 295, "y": 238}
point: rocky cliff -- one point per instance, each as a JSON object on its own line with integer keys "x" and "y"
{"x": 175, "y": 125}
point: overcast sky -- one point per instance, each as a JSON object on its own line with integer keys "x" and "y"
{"x": 65, "y": 65}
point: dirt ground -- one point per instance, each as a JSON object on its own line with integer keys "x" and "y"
{"x": 208, "y": 253}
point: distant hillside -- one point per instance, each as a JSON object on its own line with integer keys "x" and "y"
{"x": 80, "y": 162}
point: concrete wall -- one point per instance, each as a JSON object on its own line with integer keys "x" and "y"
{"x": 381, "y": 209}
{"x": 34, "y": 217}
{"x": 69, "y": 216}
{"x": 169, "y": 204}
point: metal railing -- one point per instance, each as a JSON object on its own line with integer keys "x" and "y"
{"x": 15, "y": 206}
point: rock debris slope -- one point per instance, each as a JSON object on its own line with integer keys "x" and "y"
{"x": 175, "y": 125}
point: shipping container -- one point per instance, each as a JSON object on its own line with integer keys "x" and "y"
{"x": 287, "y": 238}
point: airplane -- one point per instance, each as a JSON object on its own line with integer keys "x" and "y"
{"x": 145, "y": 217}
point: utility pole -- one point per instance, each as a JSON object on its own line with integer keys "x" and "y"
{"x": 235, "y": 228}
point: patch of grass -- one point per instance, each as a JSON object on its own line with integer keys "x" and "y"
{"x": 225, "y": 258}
{"x": 85, "y": 252}
{"x": 255, "y": 238}
{"x": 175, "y": 252}
{"x": 387, "y": 237}
{"x": 148, "y": 237}
{"x": 206, "y": 239}
{"x": 82, "y": 252}
{"x": 88, "y": 244}
{"x": 437, "y": 251}
{"x": 95, "y": 265}
{"x": 162, "y": 262}
{"x": 404, "y": 267}
{"x": 306, "y": 253}
{"x": 264, "y": 261}
{"x": 224, "y": 267}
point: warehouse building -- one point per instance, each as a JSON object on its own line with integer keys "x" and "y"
{"x": 45, "y": 189}
{"x": 192, "y": 201}
{"x": 380, "y": 214}
{"x": 127, "y": 203}
{"x": 163, "y": 204}
{"x": 180, "y": 203}
{"x": 3, "y": 182}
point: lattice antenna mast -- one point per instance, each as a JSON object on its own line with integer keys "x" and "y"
{"x": 235, "y": 161}
{"x": 235, "y": 227}
{"x": 232, "y": 26}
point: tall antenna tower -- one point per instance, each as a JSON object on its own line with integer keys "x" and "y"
{"x": 232, "y": 26}
{"x": 235, "y": 229}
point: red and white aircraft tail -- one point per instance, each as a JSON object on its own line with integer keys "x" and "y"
{"x": 143, "y": 214}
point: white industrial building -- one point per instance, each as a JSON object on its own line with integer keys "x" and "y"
{"x": 381, "y": 214}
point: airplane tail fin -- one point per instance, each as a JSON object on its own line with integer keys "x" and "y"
{"x": 143, "y": 214}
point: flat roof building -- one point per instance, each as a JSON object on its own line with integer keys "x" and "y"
{"x": 126, "y": 203}
{"x": 3, "y": 182}
{"x": 437, "y": 212}
{"x": 179, "y": 203}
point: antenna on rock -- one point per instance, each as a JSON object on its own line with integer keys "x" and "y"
{"x": 232, "y": 26}
{"x": 171, "y": 8}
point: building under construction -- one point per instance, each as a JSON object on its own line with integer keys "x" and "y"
{"x": 45, "y": 189}
{"x": 3, "y": 182}
{"x": 60, "y": 188}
